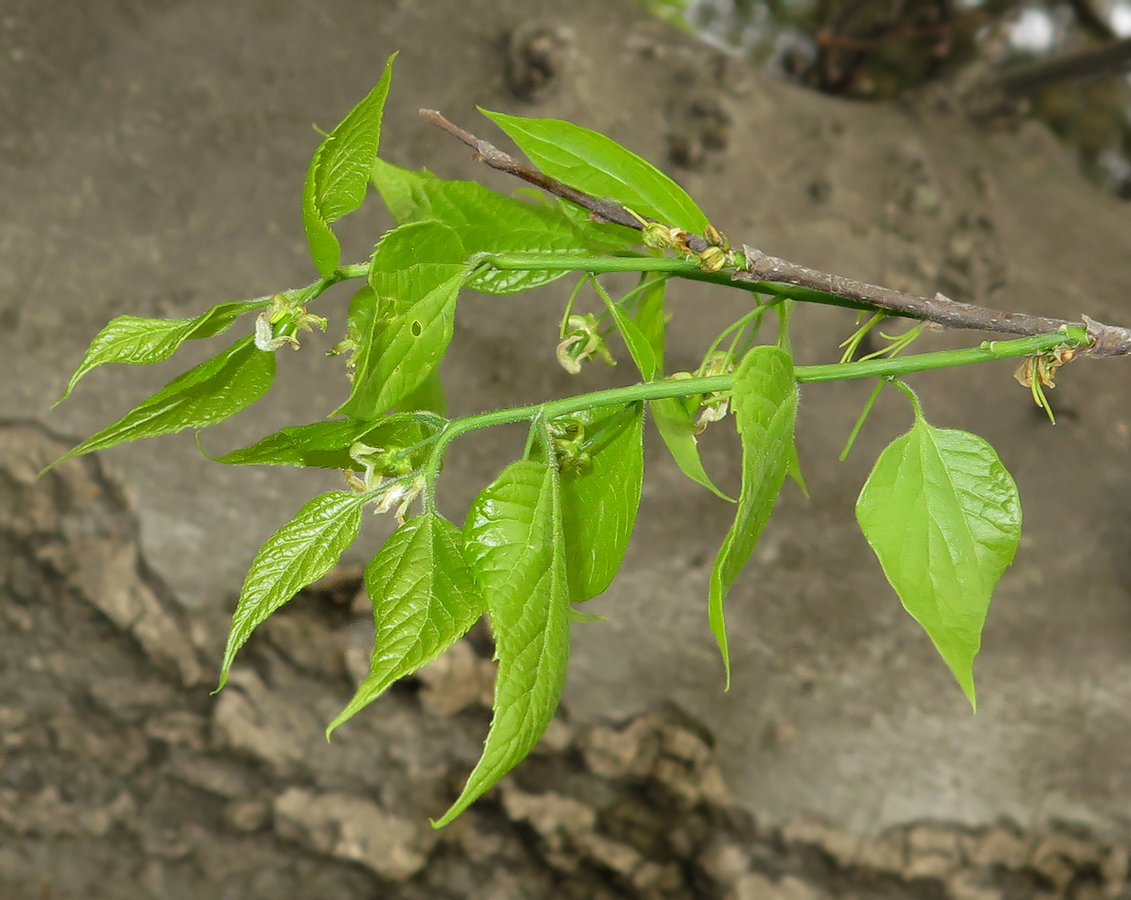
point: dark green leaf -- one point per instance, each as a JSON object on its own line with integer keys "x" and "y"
{"x": 138, "y": 341}
{"x": 412, "y": 260}
{"x": 402, "y": 352}
{"x": 424, "y": 599}
{"x": 600, "y": 166}
{"x": 944, "y": 517}
{"x": 202, "y": 396}
{"x": 486, "y": 222}
{"x": 677, "y": 427}
{"x": 765, "y": 408}
{"x": 514, "y": 546}
{"x": 324, "y": 445}
{"x": 299, "y": 553}
{"x": 339, "y": 173}
{"x": 600, "y": 501}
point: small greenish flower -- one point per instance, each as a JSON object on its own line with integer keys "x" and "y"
{"x": 581, "y": 340}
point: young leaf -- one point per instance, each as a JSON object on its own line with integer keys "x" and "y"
{"x": 137, "y": 341}
{"x": 599, "y": 504}
{"x": 324, "y": 445}
{"x": 765, "y": 407}
{"x": 651, "y": 318}
{"x": 428, "y": 396}
{"x": 677, "y": 427}
{"x": 943, "y": 515}
{"x": 412, "y": 260}
{"x": 339, "y": 174}
{"x": 209, "y": 393}
{"x": 424, "y": 600}
{"x": 299, "y": 553}
{"x": 598, "y": 165}
{"x": 514, "y": 547}
{"x": 639, "y": 347}
{"x": 486, "y": 222}
{"x": 402, "y": 352}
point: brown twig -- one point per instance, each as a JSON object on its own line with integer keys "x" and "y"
{"x": 1107, "y": 340}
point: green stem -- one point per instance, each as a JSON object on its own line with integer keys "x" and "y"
{"x": 708, "y": 384}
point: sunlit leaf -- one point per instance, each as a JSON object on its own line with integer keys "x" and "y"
{"x": 424, "y": 600}
{"x": 598, "y": 165}
{"x": 324, "y": 444}
{"x": 339, "y": 173}
{"x": 944, "y": 518}
{"x": 600, "y": 501}
{"x": 139, "y": 341}
{"x": 412, "y": 260}
{"x": 299, "y": 553}
{"x": 202, "y": 396}
{"x": 486, "y": 222}
{"x": 765, "y": 408}
{"x": 514, "y": 547}
{"x": 402, "y": 352}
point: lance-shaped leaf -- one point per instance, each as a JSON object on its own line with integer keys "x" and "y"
{"x": 412, "y": 260}
{"x": 339, "y": 174}
{"x": 765, "y": 408}
{"x": 324, "y": 445}
{"x": 298, "y": 554}
{"x": 424, "y": 600}
{"x": 944, "y": 517}
{"x": 138, "y": 341}
{"x": 486, "y": 222}
{"x": 677, "y": 427}
{"x": 598, "y": 165}
{"x": 211, "y": 392}
{"x": 651, "y": 318}
{"x": 402, "y": 352}
{"x": 639, "y": 347}
{"x": 515, "y": 549}
{"x": 600, "y": 501}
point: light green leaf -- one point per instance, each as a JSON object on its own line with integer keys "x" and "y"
{"x": 793, "y": 470}
{"x": 600, "y": 502}
{"x": 765, "y": 408}
{"x": 639, "y": 347}
{"x": 424, "y": 600}
{"x": 514, "y": 546}
{"x": 428, "y": 396}
{"x": 299, "y": 553}
{"x": 677, "y": 427}
{"x": 486, "y": 222}
{"x": 211, "y": 392}
{"x": 402, "y": 352}
{"x": 652, "y": 319}
{"x": 324, "y": 445}
{"x": 339, "y": 173}
{"x": 944, "y": 517}
{"x": 412, "y": 260}
{"x": 138, "y": 341}
{"x": 598, "y": 165}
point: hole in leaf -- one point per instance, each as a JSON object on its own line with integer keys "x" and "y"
{"x": 416, "y": 328}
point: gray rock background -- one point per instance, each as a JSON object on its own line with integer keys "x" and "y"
{"x": 151, "y": 162}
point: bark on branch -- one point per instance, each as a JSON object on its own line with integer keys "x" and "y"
{"x": 1107, "y": 340}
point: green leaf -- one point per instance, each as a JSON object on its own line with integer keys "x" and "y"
{"x": 362, "y": 312}
{"x": 598, "y": 165}
{"x": 428, "y": 396}
{"x": 944, "y": 517}
{"x": 677, "y": 427}
{"x": 424, "y": 600}
{"x": 599, "y": 503}
{"x": 651, "y": 319}
{"x": 765, "y": 408}
{"x": 793, "y": 470}
{"x": 402, "y": 352}
{"x": 299, "y": 553}
{"x": 339, "y": 173}
{"x": 211, "y": 392}
{"x": 412, "y": 260}
{"x": 514, "y": 546}
{"x": 639, "y": 347}
{"x": 486, "y": 222}
{"x": 324, "y": 445}
{"x": 138, "y": 341}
